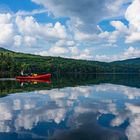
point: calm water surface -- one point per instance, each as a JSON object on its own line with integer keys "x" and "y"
{"x": 91, "y": 108}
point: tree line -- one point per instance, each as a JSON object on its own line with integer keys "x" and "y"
{"x": 11, "y": 64}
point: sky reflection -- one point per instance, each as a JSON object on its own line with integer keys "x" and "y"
{"x": 90, "y": 112}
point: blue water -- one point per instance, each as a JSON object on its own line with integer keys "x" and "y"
{"x": 103, "y": 111}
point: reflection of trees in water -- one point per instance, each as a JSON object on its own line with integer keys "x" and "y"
{"x": 69, "y": 81}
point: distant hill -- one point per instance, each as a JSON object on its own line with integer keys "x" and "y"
{"x": 12, "y": 63}
{"x": 129, "y": 61}
{"x": 4, "y": 50}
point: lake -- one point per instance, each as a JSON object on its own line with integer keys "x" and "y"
{"x": 88, "y": 107}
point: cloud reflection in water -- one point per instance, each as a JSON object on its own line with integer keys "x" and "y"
{"x": 74, "y": 112}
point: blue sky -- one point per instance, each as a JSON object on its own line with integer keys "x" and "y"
{"x": 16, "y": 5}
{"x": 101, "y": 30}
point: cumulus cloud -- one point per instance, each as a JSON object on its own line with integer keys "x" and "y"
{"x": 133, "y": 37}
{"x": 73, "y": 38}
{"x": 60, "y": 48}
{"x": 68, "y": 49}
{"x": 81, "y": 36}
{"x": 131, "y": 52}
{"x": 71, "y": 52}
{"x": 118, "y": 25}
{"x": 131, "y": 93}
{"x": 132, "y": 15}
{"x": 115, "y": 6}
{"x": 133, "y": 130}
{"x": 29, "y": 114}
{"x": 73, "y": 8}
{"x": 6, "y": 29}
{"x": 32, "y": 13}
{"x": 84, "y": 54}
{"x": 57, "y": 50}
{"x": 29, "y": 26}
{"x": 24, "y": 111}
{"x": 25, "y": 31}
{"x": 114, "y": 36}
{"x": 130, "y": 33}
{"x": 88, "y": 12}
{"x": 132, "y": 111}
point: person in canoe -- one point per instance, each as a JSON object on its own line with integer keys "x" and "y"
{"x": 23, "y": 74}
{"x": 34, "y": 76}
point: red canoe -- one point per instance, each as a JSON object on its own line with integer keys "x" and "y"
{"x": 48, "y": 81}
{"x": 42, "y": 76}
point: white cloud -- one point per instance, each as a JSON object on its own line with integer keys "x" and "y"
{"x": 131, "y": 52}
{"x": 23, "y": 111}
{"x": 29, "y": 114}
{"x": 114, "y": 36}
{"x": 84, "y": 54}
{"x": 129, "y": 34}
{"x": 81, "y": 36}
{"x": 29, "y": 26}
{"x": 25, "y": 31}
{"x": 6, "y": 29}
{"x": 68, "y": 49}
{"x": 95, "y": 10}
{"x": 74, "y": 50}
{"x": 17, "y": 40}
{"x": 71, "y": 43}
{"x": 67, "y": 52}
{"x": 133, "y": 130}
{"x": 30, "y": 41}
{"x": 133, "y": 37}
{"x": 110, "y": 37}
{"x": 116, "y": 6}
{"x": 5, "y": 18}
{"x": 5, "y": 113}
{"x": 34, "y": 12}
{"x": 132, "y": 15}
{"x": 58, "y": 50}
{"x": 131, "y": 93}
{"x": 117, "y": 121}
{"x": 119, "y": 26}
{"x": 6, "y": 33}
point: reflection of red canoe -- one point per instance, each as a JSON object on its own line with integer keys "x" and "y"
{"x": 39, "y": 77}
{"x": 34, "y": 81}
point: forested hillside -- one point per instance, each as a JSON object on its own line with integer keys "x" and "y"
{"x": 12, "y": 63}
{"x": 133, "y": 61}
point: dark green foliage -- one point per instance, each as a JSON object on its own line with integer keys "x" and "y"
{"x": 12, "y": 63}
{"x": 135, "y": 61}
{"x": 9, "y": 86}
